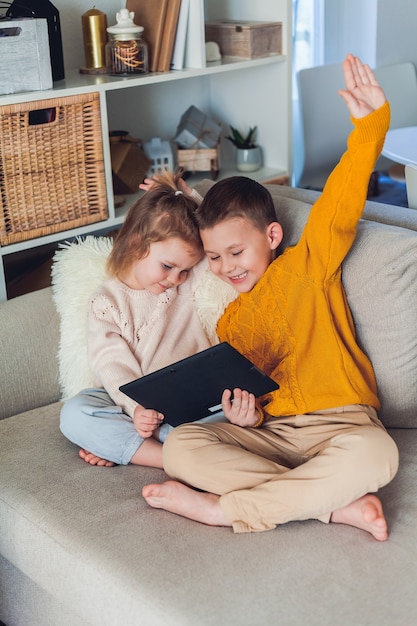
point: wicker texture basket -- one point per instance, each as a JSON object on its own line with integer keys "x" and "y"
{"x": 51, "y": 172}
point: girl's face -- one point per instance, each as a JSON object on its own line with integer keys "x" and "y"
{"x": 167, "y": 265}
{"x": 238, "y": 252}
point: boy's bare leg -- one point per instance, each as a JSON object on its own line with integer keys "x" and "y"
{"x": 177, "y": 498}
{"x": 365, "y": 513}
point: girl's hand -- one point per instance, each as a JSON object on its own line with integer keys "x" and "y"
{"x": 242, "y": 411}
{"x": 146, "y": 421}
{"x": 186, "y": 190}
{"x": 147, "y": 184}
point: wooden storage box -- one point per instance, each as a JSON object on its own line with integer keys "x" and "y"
{"x": 200, "y": 160}
{"x": 51, "y": 167}
{"x": 247, "y": 40}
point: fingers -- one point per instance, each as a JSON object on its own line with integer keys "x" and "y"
{"x": 147, "y": 184}
{"x": 348, "y": 72}
{"x": 363, "y": 93}
{"x": 355, "y": 72}
{"x": 242, "y": 410}
{"x": 226, "y": 396}
{"x": 241, "y": 400}
{"x": 147, "y": 421}
{"x": 358, "y": 73}
{"x": 184, "y": 187}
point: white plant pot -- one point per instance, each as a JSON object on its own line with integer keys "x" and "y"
{"x": 248, "y": 159}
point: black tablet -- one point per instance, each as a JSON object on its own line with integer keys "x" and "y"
{"x": 192, "y": 388}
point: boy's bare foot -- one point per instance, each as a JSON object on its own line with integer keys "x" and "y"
{"x": 92, "y": 459}
{"x": 365, "y": 513}
{"x": 177, "y": 498}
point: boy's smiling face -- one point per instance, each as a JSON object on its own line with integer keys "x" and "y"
{"x": 238, "y": 252}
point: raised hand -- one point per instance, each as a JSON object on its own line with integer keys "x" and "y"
{"x": 363, "y": 93}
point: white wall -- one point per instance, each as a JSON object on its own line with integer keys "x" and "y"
{"x": 381, "y": 32}
{"x": 396, "y": 31}
{"x": 70, "y": 12}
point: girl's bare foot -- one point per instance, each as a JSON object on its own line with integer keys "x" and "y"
{"x": 93, "y": 459}
{"x": 182, "y": 500}
{"x": 365, "y": 513}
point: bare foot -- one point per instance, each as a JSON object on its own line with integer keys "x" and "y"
{"x": 365, "y": 513}
{"x": 178, "y": 498}
{"x": 92, "y": 459}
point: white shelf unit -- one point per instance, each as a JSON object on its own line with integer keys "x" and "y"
{"x": 239, "y": 92}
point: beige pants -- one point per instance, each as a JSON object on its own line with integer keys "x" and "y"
{"x": 293, "y": 468}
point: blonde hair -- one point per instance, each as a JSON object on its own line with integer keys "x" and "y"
{"x": 161, "y": 213}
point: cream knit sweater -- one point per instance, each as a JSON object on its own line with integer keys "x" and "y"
{"x": 133, "y": 332}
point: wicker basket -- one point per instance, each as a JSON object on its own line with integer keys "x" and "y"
{"x": 51, "y": 167}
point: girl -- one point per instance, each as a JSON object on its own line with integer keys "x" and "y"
{"x": 140, "y": 320}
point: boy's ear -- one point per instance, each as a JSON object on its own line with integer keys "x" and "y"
{"x": 275, "y": 234}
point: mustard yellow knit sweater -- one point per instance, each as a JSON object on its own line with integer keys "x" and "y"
{"x": 295, "y": 324}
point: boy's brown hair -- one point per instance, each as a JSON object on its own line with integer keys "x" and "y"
{"x": 161, "y": 213}
{"x": 237, "y": 196}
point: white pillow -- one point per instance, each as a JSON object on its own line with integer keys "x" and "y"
{"x": 77, "y": 271}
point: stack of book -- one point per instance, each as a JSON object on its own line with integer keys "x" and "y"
{"x": 174, "y": 32}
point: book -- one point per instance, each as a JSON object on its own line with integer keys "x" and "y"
{"x": 177, "y": 61}
{"x": 168, "y": 35}
{"x": 151, "y": 15}
{"x": 195, "y": 45}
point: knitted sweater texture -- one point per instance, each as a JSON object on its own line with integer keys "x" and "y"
{"x": 134, "y": 332}
{"x": 295, "y": 324}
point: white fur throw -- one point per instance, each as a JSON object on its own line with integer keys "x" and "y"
{"x": 77, "y": 271}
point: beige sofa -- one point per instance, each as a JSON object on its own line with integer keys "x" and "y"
{"x": 79, "y": 545}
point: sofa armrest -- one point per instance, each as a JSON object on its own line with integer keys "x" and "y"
{"x": 29, "y": 331}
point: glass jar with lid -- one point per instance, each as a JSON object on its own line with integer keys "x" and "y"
{"x": 126, "y": 52}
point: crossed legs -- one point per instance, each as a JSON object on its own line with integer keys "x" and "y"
{"x": 318, "y": 466}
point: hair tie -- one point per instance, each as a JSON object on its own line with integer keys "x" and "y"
{"x": 178, "y": 192}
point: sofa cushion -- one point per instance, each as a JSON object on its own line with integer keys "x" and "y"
{"x": 85, "y": 536}
{"x": 28, "y": 363}
{"x": 380, "y": 277}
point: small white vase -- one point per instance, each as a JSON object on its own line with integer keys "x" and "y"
{"x": 248, "y": 159}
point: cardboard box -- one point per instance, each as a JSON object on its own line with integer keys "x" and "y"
{"x": 25, "y": 57}
{"x": 246, "y": 39}
{"x": 129, "y": 164}
{"x": 197, "y": 130}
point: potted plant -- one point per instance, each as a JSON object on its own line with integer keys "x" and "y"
{"x": 248, "y": 153}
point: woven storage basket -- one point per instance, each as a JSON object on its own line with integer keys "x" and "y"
{"x": 51, "y": 172}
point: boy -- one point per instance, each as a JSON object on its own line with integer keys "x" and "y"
{"x": 315, "y": 448}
